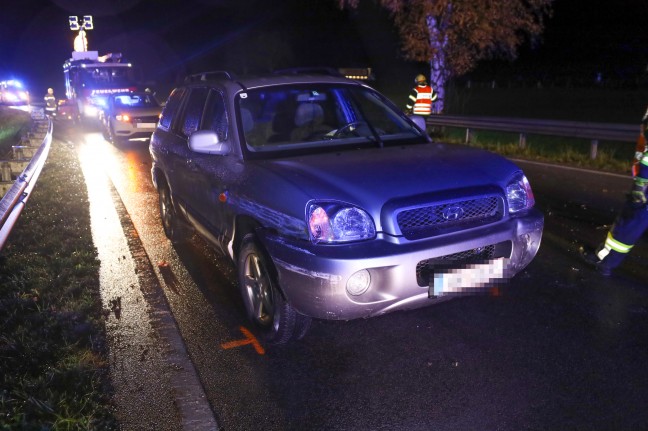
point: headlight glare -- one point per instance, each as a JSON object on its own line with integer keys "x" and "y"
{"x": 90, "y": 110}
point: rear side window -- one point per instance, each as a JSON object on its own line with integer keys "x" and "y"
{"x": 193, "y": 110}
{"x": 171, "y": 107}
{"x": 215, "y": 116}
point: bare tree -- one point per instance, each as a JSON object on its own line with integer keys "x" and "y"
{"x": 454, "y": 35}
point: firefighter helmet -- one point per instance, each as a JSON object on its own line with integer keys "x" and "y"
{"x": 420, "y": 79}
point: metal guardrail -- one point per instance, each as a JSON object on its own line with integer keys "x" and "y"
{"x": 595, "y": 132}
{"x": 16, "y": 197}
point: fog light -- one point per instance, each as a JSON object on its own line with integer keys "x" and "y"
{"x": 358, "y": 283}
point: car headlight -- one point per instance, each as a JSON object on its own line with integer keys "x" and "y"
{"x": 338, "y": 222}
{"x": 519, "y": 194}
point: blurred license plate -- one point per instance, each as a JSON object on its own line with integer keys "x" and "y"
{"x": 146, "y": 125}
{"x": 474, "y": 277}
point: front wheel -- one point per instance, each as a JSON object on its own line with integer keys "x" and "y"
{"x": 113, "y": 138}
{"x": 106, "y": 133}
{"x": 173, "y": 227}
{"x": 264, "y": 303}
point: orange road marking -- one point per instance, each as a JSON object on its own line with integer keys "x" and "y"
{"x": 249, "y": 339}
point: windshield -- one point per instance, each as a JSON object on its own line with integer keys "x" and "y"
{"x": 107, "y": 76}
{"x": 290, "y": 117}
{"x": 134, "y": 100}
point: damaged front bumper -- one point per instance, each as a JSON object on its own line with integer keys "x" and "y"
{"x": 391, "y": 273}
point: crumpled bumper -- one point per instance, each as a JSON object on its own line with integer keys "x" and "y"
{"x": 314, "y": 277}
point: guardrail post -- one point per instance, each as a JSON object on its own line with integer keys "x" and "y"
{"x": 468, "y": 136}
{"x": 5, "y": 171}
{"x": 594, "y": 148}
{"x": 522, "y": 142}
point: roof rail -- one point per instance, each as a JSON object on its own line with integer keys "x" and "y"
{"x": 205, "y": 76}
{"x": 309, "y": 70}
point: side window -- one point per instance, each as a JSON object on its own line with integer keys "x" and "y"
{"x": 215, "y": 117}
{"x": 171, "y": 108}
{"x": 194, "y": 110}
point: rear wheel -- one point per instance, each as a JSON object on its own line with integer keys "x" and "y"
{"x": 264, "y": 303}
{"x": 174, "y": 228}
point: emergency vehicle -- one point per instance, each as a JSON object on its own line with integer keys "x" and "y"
{"x": 90, "y": 78}
{"x": 12, "y": 92}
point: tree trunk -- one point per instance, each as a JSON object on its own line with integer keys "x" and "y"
{"x": 438, "y": 82}
{"x": 438, "y": 43}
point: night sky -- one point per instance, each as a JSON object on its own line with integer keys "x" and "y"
{"x": 170, "y": 38}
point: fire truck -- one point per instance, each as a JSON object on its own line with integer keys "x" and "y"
{"x": 90, "y": 78}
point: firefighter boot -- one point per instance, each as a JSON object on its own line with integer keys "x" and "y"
{"x": 591, "y": 258}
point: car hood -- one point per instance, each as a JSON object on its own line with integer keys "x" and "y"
{"x": 370, "y": 178}
{"x": 384, "y": 173}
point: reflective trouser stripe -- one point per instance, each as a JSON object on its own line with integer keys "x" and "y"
{"x": 613, "y": 244}
{"x": 644, "y": 160}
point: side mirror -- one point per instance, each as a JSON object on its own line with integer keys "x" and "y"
{"x": 206, "y": 142}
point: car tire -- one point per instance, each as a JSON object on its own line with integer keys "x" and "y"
{"x": 174, "y": 228}
{"x": 264, "y": 303}
{"x": 113, "y": 138}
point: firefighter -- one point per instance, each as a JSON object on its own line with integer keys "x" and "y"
{"x": 632, "y": 221}
{"x": 421, "y": 97}
{"x": 50, "y": 101}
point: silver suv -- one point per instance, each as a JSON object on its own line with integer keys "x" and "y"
{"x": 129, "y": 115}
{"x": 331, "y": 202}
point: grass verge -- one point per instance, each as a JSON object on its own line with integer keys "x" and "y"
{"x": 53, "y": 356}
{"x": 611, "y": 156}
{"x": 12, "y": 122}
{"x": 604, "y": 105}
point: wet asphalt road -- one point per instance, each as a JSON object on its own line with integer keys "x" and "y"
{"x": 560, "y": 348}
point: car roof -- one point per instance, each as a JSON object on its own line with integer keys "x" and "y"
{"x": 228, "y": 80}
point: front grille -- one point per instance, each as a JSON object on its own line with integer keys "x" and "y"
{"x": 440, "y": 218}
{"x": 425, "y": 269}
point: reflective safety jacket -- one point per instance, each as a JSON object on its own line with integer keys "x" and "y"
{"x": 50, "y": 101}
{"x": 420, "y": 100}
